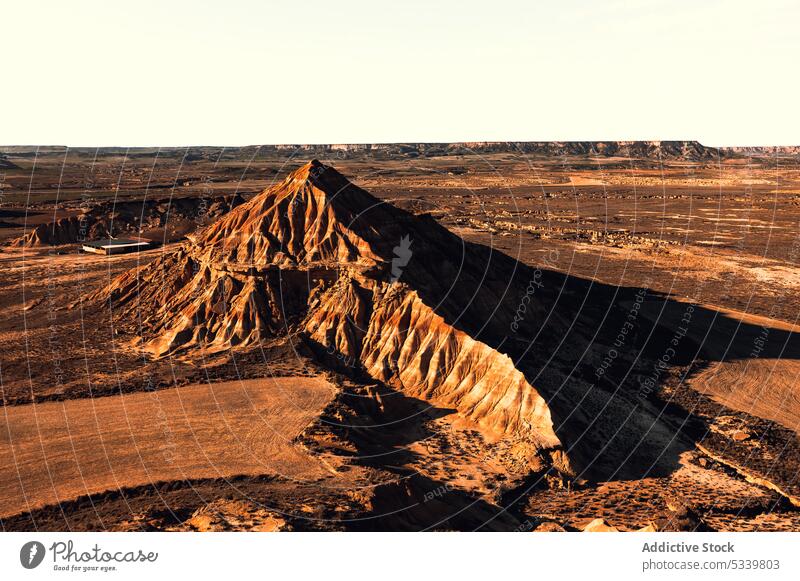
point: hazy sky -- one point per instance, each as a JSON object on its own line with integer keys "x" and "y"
{"x": 240, "y": 72}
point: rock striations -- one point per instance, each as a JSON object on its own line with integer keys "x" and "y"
{"x": 367, "y": 285}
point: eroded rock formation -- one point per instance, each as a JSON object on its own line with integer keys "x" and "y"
{"x": 128, "y": 218}
{"x": 395, "y": 296}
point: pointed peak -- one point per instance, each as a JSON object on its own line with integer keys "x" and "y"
{"x": 310, "y": 169}
{"x": 317, "y": 174}
{"x": 315, "y": 214}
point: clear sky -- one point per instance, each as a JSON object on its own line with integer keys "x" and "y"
{"x": 245, "y": 72}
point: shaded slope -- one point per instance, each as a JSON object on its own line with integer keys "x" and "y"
{"x": 400, "y": 298}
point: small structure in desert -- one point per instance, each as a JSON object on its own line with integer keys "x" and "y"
{"x": 115, "y": 246}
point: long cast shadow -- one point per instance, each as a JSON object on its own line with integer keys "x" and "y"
{"x": 598, "y": 353}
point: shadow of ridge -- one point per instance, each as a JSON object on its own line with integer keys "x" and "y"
{"x": 381, "y": 429}
{"x": 614, "y": 423}
{"x": 377, "y": 419}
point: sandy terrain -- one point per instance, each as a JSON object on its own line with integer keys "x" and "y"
{"x": 765, "y": 388}
{"x": 612, "y": 334}
{"x": 55, "y": 452}
{"x": 754, "y": 363}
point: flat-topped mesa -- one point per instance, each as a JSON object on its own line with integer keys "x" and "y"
{"x": 314, "y": 216}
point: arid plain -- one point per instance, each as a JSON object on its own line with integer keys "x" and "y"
{"x": 516, "y": 336}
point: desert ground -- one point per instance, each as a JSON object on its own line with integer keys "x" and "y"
{"x": 484, "y": 336}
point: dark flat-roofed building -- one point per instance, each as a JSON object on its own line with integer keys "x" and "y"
{"x": 115, "y": 246}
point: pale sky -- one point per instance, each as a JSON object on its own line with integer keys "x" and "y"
{"x": 86, "y": 73}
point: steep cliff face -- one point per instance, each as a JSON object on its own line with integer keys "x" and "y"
{"x": 399, "y": 340}
{"x": 387, "y": 294}
{"x": 409, "y": 346}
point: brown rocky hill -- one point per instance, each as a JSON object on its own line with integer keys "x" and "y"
{"x": 375, "y": 291}
{"x": 362, "y": 281}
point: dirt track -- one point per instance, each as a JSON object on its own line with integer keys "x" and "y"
{"x": 62, "y": 450}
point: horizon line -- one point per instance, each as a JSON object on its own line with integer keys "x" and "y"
{"x": 372, "y": 143}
